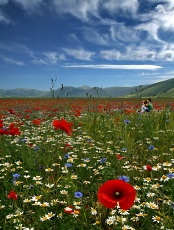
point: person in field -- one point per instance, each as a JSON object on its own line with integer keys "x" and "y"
{"x": 150, "y": 106}
{"x": 144, "y": 107}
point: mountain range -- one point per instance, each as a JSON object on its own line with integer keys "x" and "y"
{"x": 163, "y": 89}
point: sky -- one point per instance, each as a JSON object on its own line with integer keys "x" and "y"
{"x": 97, "y": 43}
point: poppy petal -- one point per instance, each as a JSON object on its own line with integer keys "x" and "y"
{"x": 107, "y": 194}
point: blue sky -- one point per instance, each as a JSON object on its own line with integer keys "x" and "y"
{"x": 85, "y": 42}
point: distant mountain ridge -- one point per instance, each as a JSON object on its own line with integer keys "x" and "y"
{"x": 161, "y": 89}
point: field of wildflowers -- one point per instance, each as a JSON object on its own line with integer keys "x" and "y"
{"x": 74, "y": 164}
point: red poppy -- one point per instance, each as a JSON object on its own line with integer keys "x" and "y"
{"x": 14, "y": 131}
{"x": 69, "y": 209}
{"x": 3, "y": 131}
{"x": 120, "y": 157}
{"x": 77, "y": 113}
{"x": 12, "y": 125}
{"x": 36, "y": 121}
{"x": 1, "y": 123}
{"x": 149, "y": 168}
{"x": 11, "y": 111}
{"x": 12, "y": 195}
{"x": 114, "y": 192}
{"x": 64, "y": 125}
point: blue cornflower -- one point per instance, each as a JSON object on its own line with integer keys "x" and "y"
{"x": 78, "y": 194}
{"x": 126, "y": 121}
{"x": 89, "y": 140}
{"x": 68, "y": 165}
{"x": 170, "y": 175}
{"x": 151, "y": 147}
{"x": 67, "y": 155}
{"x": 40, "y": 167}
{"x": 36, "y": 148}
{"x": 124, "y": 149}
{"x": 124, "y": 178}
{"x": 102, "y": 160}
{"x": 24, "y": 140}
{"x": 16, "y": 176}
{"x": 172, "y": 205}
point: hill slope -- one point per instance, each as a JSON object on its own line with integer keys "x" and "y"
{"x": 164, "y": 89}
{"x": 160, "y": 89}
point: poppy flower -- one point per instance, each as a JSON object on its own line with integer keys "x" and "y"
{"x": 14, "y": 131}
{"x": 114, "y": 192}
{"x": 120, "y": 157}
{"x": 63, "y": 125}
{"x": 11, "y": 111}
{"x": 11, "y": 126}
{"x": 36, "y": 121}
{"x": 149, "y": 168}
{"x": 69, "y": 209}
{"x": 3, "y": 131}
{"x": 12, "y": 195}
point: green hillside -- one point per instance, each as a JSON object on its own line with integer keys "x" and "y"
{"x": 163, "y": 89}
{"x": 160, "y": 89}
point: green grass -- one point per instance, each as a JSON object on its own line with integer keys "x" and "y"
{"x": 46, "y": 187}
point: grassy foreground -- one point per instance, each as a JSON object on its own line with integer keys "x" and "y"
{"x": 49, "y": 178}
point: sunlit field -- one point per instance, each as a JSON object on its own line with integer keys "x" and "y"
{"x": 74, "y": 164}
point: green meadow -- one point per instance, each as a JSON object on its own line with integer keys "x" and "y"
{"x": 50, "y": 177}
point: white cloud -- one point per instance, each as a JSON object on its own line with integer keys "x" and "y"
{"x": 141, "y": 52}
{"x": 165, "y": 16}
{"x": 94, "y": 36}
{"x": 151, "y": 28}
{"x": 124, "y": 5}
{"x": 4, "y": 18}
{"x": 39, "y": 61}
{"x": 16, "y": 48}
{"x": 73, "y": 37}
{"x": 53, "y": 57}
{"x": 124, "y": 67}
{"x": 131, "y": 53}
{"x": 80, "y": 54}
{"x": 79, "y": 9}
{"x": 125, "y": 34}
{"x": 159, "y": 19}
{"x": 167, "y": 55}
{"x": 29, "y": 5}
{"x": 3, "y": 2}
{"x": 12, "y": 61}
{"x": 110, "y": 54}
{"x": 166, "y": 52}
{"x": 127, "y": 42}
